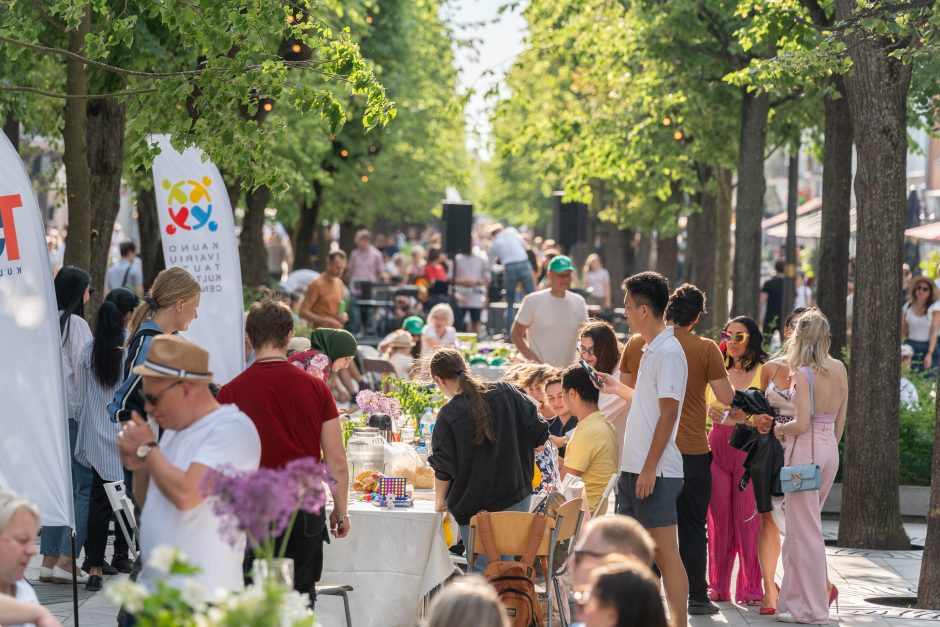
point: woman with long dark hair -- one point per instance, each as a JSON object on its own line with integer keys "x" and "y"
{"x": 72, "y": 291}
{"x": 916, "y": 319}
{"x": 483, "y": 442}
{"x": 101, "y": 372}
{"x": 733, "y": 521}
{"x": 625, "y": 594}
{"x": 599, "y": 347}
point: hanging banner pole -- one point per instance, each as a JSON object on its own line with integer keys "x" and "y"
{"x": 35, "y": 455}
{"x": 198, "y": 233}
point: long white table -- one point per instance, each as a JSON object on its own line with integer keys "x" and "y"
{"x": 392, "y": 558}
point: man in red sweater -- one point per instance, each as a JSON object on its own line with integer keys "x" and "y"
{"x": 296, "y": 417}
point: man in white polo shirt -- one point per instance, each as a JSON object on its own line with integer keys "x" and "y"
{"x": 651, "y": 464}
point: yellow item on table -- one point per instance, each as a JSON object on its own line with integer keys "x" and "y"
{"x": 449, "y": 527}
{"x": 536, "y": 478}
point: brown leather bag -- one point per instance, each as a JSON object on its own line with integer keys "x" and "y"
{"x": 514, "y": 580}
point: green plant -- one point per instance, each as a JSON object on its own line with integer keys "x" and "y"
{"x": 415, "y": 398}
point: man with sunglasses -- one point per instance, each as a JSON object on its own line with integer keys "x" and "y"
{"x": 705, "y": 367}
{"x": 199, "y": 434}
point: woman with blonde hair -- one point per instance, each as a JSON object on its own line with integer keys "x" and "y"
{"x": 467, "y": 602}
{"x": 820, "y": 395}
{"x": 594, "y": 277}
{"x": 169, "y": 307}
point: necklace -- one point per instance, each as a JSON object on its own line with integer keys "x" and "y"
{"x": 276, "y": 358}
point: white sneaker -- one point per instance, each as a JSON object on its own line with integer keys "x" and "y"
{"x": 60, "y": 575}
{"x": 786, "y": 617}
{"x": 45, "y": 574}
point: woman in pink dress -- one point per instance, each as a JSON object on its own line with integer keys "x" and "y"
{"x": 820, "y": 395}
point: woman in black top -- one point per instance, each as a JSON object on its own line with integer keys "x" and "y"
{"x": 483, "y": 442}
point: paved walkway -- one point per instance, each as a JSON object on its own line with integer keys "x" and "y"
{"x": 860, "y": 575}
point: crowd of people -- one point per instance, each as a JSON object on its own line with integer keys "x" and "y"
{"x": 656, "y": 411}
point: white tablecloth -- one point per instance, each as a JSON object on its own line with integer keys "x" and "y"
{"x": 392, "y": 558}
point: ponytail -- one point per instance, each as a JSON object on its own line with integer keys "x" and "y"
{"x": 473, "y": 389}
{"x": 171, "y": 286}
{"x": 106, "y": 352}
{"x": 447, "y": 364}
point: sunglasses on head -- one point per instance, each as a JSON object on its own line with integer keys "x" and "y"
{"x": 735, "y": 338}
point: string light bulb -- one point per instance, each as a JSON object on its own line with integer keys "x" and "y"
{"x": 267, "y": 106}
{"x": 296, "y": 48}
{"x": 666, "y": 121}
{"x": 678, "y": 135}
{"x": 364, "y": 178}
{"x": 343, "y": 153}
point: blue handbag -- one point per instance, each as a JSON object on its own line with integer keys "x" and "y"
{"x": 802, "y": 477}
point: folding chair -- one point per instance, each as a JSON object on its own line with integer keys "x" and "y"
{"x": 606, "y": 496}
{"x": 338, "y": 591}
{"x": 511, "y": 532}
{"x": 568, "y": 520}
{"x": 379, "y": 368}
{"x": 121, "y": 503}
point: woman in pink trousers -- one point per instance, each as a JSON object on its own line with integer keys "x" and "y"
{"x": 820, "y": 394}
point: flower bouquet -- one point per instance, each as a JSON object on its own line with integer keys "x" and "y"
{"x": 377, "y": 403}
{"x": 188, "y": 605}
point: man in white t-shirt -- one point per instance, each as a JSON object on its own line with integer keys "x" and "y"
{"x": 651, "y": 464}
{"x": 546, "y": 329}
{"x": 199, "y": 434}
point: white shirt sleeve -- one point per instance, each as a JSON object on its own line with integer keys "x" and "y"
{"x": 235, "y": 445}
{"x": 526, "y": 314}
{"x": 671, "y": 375}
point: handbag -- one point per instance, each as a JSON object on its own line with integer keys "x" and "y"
{"x": 752, "y": 401}
{"x": 802, "y": 477}
{"x": 743, "y": 437}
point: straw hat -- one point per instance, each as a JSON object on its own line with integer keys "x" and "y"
{"x": 172, "y": 357}
{"x": 401, "y": 339}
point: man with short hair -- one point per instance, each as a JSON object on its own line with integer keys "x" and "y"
{"x": 322, "y": 304}
{"x": 126, "y": 272}
{"x": 651, "y": 465}
{"x": 593, "y": 449}
{"x": 546, "y": 329}
{"x": 510, "y": 248}
{"x": 296, "y": 417}
{"x": 706, "y": 368}
{"x": 199, "y": 435}
{"x": 606, "y": 535}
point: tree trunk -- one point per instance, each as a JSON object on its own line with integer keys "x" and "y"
{"x": 619, "y": 257}
{"x": 105, "y": 155}
{"x": 718, "y": 304}
{"x": 701, "y": 256}
{"x": 151, "y": 245}
{"x": 833, "y": 273}
{"x": 77, "y": 174}
{"x": 306, "y": 228}
{"x": 644, "y": 250}
{"x": 667, "y": 257}
{"x": 347, "y": 236}
{"x": 877, "y": 91}
{"x": 251, "y": 242}
{"x": 749, "y": 209}
{"x": 11, "y": 128}
{"x": 928, "y": 587}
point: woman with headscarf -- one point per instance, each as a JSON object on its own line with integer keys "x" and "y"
{"x": 72, "y": 291}
{"x": 331, "y": 350}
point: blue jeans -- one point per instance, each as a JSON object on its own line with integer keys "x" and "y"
{"x": 482, "y": 560}
{"x": 57, "y": 540}
{"x": 516, "y": 272}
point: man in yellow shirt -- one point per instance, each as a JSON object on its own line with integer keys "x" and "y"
{"x": 592, "y": 451}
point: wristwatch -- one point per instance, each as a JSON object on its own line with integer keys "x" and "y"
{"x": 144, "y": 449}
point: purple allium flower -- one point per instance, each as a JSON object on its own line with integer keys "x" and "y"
{"x": 377, "y": 403}
{"x": 309, "y": 476}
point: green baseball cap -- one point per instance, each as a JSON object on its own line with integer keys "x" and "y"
{"x": 561, "y": 263}
{"x": 413, "y": 325}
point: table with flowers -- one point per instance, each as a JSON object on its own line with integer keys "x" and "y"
{"x": 393, "y": 558}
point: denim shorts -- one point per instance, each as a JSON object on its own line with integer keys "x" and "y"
{"x": 656, "y": 510}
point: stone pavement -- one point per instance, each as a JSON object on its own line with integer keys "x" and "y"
{"x": 859, "y": 574}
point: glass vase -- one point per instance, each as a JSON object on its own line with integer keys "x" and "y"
{"x": 279, "y": 570}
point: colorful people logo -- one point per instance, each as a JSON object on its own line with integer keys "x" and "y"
{"x": 190, "y": 197}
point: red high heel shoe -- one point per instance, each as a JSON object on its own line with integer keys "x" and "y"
{"x": 770, "y": 611}
{"x": 834, "y": 596}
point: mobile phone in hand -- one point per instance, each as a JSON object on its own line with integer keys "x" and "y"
{"x": 597, "y": 380}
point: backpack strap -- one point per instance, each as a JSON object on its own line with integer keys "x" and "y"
{"x": 536, "y": 533}
{"x": 486, "y": 534}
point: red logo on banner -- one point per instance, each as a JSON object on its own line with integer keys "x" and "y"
{"x": 8, "y": 241}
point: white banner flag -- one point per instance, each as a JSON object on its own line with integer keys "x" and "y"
{"x": 198, "y": 233}
{"x": 35, "y": 457}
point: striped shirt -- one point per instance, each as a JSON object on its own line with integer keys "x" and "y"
{"x": 96, "y": 446}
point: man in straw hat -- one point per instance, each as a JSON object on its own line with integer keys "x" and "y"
{"x": 199, "y": 434}
{"x": 296, "y": 417}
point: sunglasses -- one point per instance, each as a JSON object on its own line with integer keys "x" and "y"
{"x": 154, "y": 400}
{"x": 586, "y": 350}
{"x": 922, "y": 288}
{"x": 735, "y": 338}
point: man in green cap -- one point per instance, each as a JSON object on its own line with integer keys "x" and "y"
{"x": 546, "y": 327}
